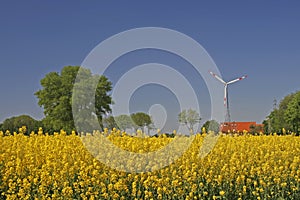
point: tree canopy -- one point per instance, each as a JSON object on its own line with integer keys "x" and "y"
{"x": 189, "y": 118}
{"x": 286, "y": 116}
{"x": 292, "y": 113}
{"x": 211, "y": 125}
{"x": 124, "y": 122}
{"x": 55, "y": 97}
{"x": 109, "y": 122}
{"x": 141, "y": 119}
{"x": 14, "y": 123}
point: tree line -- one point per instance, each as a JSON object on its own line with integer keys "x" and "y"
{"x": 285, "y": 117}
{"x": 58, "y": 103}
{"x": 55, "y": 97}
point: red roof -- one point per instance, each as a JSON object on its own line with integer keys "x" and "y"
{"x": 238, "y": 126}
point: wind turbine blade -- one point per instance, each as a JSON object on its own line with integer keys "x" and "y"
{"x": 236, "y": 80}
{"x": 217, "y": 77}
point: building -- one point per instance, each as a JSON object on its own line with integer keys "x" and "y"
{"x": 240, "y": 127}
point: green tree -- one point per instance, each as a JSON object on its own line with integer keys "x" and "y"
{"x": 211, "y": 125}
{"x": 255, "y": 129}
{"x": 189, "y": 118}
{"x": 292, "y": 113}
{"x": 267, "y": 126}
{"x": 56, "y": 97}
{"x": 110, "y": 122}
{"x": 14, "y": 123}
{"x": 276, "y": 120}
{"x": 124, "y": 122}
{"x": 141, "y": 120}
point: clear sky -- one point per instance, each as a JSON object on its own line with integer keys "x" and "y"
{"x": 257, "y": 38}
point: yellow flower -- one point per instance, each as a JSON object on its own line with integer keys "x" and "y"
{"x": 59, "y": 166}
{"x": 222, "y": 193}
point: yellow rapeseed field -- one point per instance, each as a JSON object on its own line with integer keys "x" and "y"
{"x": 42, "y": 166}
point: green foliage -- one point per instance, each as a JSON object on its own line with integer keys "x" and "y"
{"x": 189, "y": 118}
{"x": 292, "y": 113}
{"x": 254, "y": 129}
{"x": 14, "y": 123}
{"x": 286, "y": 116}
{"x": 141, "y": 119}
{"x": 124, "y": 122}
{"x": 211, "y": 125}
{"x": 109, "y": 122}
{"x": 56, "y": 98}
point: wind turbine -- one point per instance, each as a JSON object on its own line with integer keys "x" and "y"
{"x": 226, "y": 101}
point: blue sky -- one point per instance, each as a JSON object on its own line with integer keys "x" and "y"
{"x": 257, "y": 38}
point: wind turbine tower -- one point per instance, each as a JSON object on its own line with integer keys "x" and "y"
{"x": 226, "y": 101}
